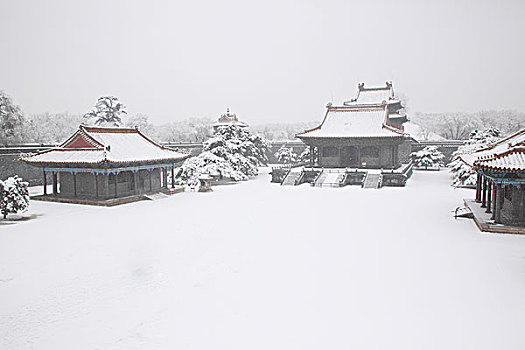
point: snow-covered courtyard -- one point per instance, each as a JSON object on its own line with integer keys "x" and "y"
{"x": 262, "y": 266}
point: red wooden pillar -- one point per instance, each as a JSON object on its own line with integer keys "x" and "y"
{"x": 484, "y": 192}
{"x": 489, "y": 197}
{"x": 105, "y": 178}
{"x": 136, "y": 180}
{"x": 478, "y": 188}
{"x": 96, "y": 184}
{"x": 74, "y": 184}
{"x": 522, "y": 204}
{"x": 116, "y": 182}
{"x": 500, "y": 197}
{"x": 55, "y": 183}
{"x": 494, "y": 200}
{"x": 45, "y": 183}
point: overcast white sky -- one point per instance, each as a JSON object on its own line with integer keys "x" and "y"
{"x": 269, "y": 61}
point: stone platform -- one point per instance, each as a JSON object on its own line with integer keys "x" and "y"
{"x": 105, "y": 202}
{"x": 486, "y": 224}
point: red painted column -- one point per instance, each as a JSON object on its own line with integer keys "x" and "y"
{"x": 45, "y": 183}
{"x": 489, "y": 197}
{"x": 484, "y": 192}
{"x": 75, "y": 184}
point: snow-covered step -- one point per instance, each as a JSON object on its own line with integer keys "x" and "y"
{"x": 320, "y": 179}
{"x": 332, "y": 180}
{"x": 156, "y": 196}
{"x": 292, "y": 177}
{"x": 372, "y": 181}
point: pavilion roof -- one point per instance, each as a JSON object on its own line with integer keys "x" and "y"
{"x": 507, "y": 154}
{"x": 232, "y": 122}
{"x": 229, "y": 119}
{"x": 102, "y": 145}
{"x": 353, "y": 122}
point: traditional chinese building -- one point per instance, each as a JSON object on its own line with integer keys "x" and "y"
{"x": 100, "y": 163}
{"x": 365, "y": 132}
{"x": 501, "y": 179}
{"x": 229, "y": 119}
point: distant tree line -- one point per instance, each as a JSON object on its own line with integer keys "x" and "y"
{"x": 458, "y": 126}
{"x": 51, "y": 128}
{"x": 16, "y": 127}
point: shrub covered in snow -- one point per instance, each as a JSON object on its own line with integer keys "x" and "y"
{"x": 232, "y": 153}
{"x": 428, "y": 157}
{"x": 14, "y": 196}
{"x": 286, "y": 155}
{"x": 462, "y": 174}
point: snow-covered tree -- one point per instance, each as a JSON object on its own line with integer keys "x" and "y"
{"x": 14, "y": 196}
{"x": 142, "y": 122}
{"x": 429, "y": 156}
{"x": 187, "y": 130}
{"x": 304, "y": 157}
{"x": 233, "y": 153}
{"x": 462, "y": 174}
{"x": 50, "y": 128}
{"x": 11, "y": 118}
{"x": 209, "y": 163}
{"x": 108, "y": 112}
{"x": 286, "y": 155}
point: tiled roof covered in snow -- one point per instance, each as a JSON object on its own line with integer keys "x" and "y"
{"x": 353, "y": 122}
{"x": 101, "y": 145}
{"x": 229, "y": 119}
{"x": 507, "y": 154}
{"x": 373, "y": 95}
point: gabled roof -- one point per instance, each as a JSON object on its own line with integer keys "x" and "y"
{"x": 99, "y": 145}
{"x": 353, "y": 122}
{"x": 507, "y": 154}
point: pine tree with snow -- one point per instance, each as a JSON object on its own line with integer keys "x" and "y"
{"x": 108, "y": 112}
{"x": 429, "y": 156}
{"x": 463, "y": 174}
{"x": 14, "y": 196}
{"x": 304, "y": 157}
{"x": 233, "y": 153}
{"x": 286, "y": 155}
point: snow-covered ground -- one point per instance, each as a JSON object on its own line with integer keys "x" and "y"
{"x": 263, "y": 266}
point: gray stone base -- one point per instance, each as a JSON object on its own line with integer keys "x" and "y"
{"x": 484, "y": 222}
{"x": 103, "y": 202}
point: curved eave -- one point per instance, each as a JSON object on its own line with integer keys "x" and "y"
{"x": 107, "y": 163}
{"x": 500, "y": 169}
{"x": 349, "y": 137}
